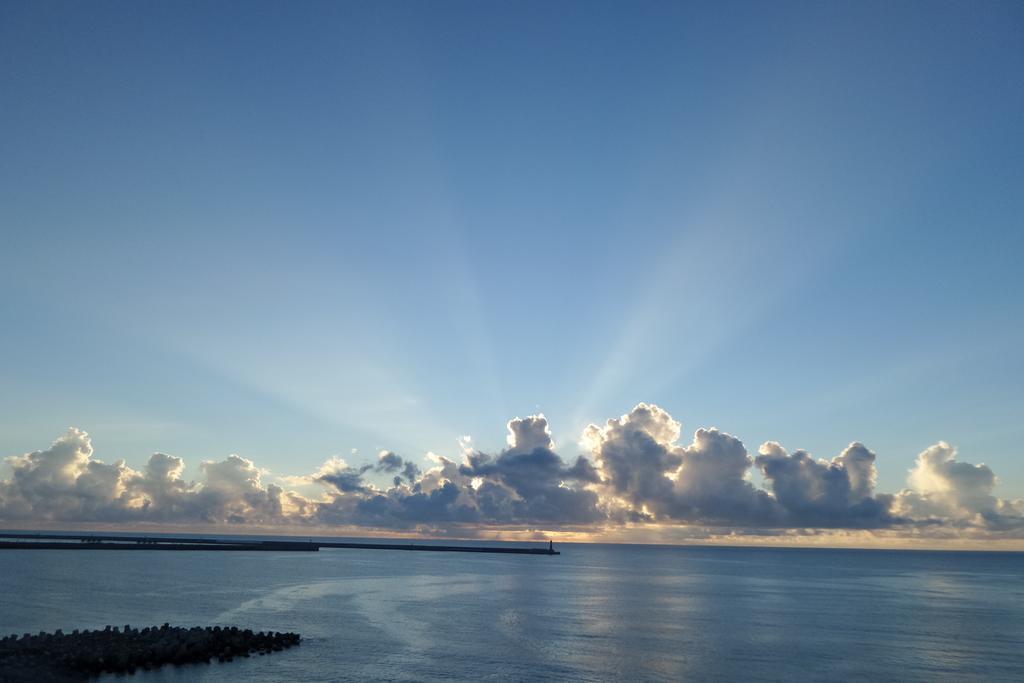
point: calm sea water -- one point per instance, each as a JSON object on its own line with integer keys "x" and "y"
{"x": 595, "y": 613}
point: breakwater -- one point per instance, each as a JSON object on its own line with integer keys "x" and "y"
{"x": 166, "y": 545}
{"x": 548, "y": 550}
{"x": 88, "y": 541}
{"x": 58, "y": 656}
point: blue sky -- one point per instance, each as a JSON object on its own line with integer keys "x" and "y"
{"x": 290, "y": 230}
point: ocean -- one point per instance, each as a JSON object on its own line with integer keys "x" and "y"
{"x": 594, "y": 613}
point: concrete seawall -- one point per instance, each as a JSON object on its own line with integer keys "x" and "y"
{"x": 87, "y": 541}
{"x": 104, "y": 545}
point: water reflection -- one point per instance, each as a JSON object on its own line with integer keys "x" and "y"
{"x": 594, "y": 613}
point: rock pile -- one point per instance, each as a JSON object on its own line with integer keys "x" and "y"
{"x": 66, "y": 657}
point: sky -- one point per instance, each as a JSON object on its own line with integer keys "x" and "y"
{"x": 313, "y": 234}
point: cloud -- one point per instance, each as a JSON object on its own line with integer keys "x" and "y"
{"x": 346, "y": 479}
{"x": 233, "y": 491}
{"x": 708, "y": 481}
{"x": 818, "y": 493}
{"x": 636, "y": 475}
{"x": 947, "y": 492}
{"x": 527, "y": 483}
{"x": 65, "y": 483}
{"x": 392, "y": 462}
{"x": 634, "y": 452}
{"x": 338, "y": 474}
{"x": 711, "y": 484}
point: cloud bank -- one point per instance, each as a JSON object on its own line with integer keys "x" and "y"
{"x": 636, "y": 474}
